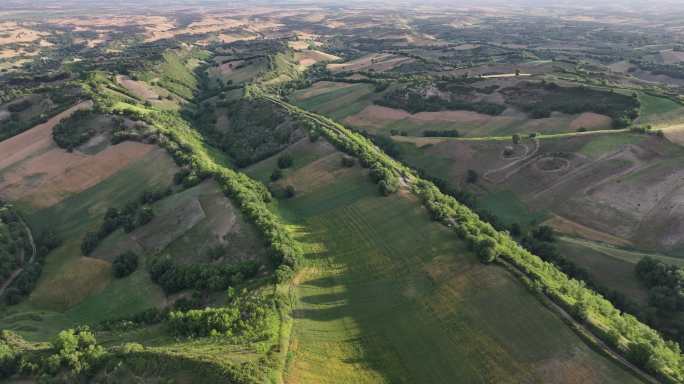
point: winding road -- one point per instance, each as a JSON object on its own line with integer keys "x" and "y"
{"x": 18, "y": 271}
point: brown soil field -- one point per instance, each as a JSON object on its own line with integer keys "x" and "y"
{"x": 473, "y": 124}
{"x": 572, "y": 228}
{"x": 376, "y": 116}
{"x": 228, "y": 68}
{"x": 308, "y": 58}
{"x": 320, "y": 88}
{"x": 621, "y": 189}
{"x": 138, "y": 88}
{"x": 379, "y": 62}
{"x": 35, "y": 171}
{"x": 46, "y": 178}
{"x": 672, "y": 57}
{"x": 591, "y": 120}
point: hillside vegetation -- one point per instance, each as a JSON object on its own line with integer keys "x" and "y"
{"x": 339, "y": 194}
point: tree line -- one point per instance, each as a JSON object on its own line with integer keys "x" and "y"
{"x": 636, "y": 341}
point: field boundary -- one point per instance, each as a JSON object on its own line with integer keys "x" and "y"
{"x": 578, "y": 328}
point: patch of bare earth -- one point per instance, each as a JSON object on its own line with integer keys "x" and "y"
{"x": 228, "y": 68}
{"x": 138, "y": 88}
{"x": 376, "y": 116}
{"x": 675, "y": 134}
{"x": 308, "y": 58}
{"x": 379, "y": 62}
{"x": 575, "y": 229}
{"x": 591, "y": 120}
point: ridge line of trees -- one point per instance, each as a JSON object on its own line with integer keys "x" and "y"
{"x": 636, "y": 341}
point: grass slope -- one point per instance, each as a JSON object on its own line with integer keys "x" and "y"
{"x": 390, "y": 296}
{"x": 75, "y": 289}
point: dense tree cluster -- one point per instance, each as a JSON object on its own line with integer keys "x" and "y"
{"x": 81, "y": 126}
{"x": 414, "y": 102}
{"x": 14, "y": 242}
{"x": 540, "y": 99}
{"x": 28, "y": 278}
{"x": 75, "y": 350}
{"x": 249, "y": 317}
{"x": 73, "y": 356}
{"x": 22, "y": 118}
{"x": 665, "y": 284}
{"x": 125, "y": 264}
{"x": 174, "y": 277}
{"x": 254, "y": 130}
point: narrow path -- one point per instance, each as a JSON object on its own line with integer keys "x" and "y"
{"x": 527, "y": 156}
{"x": 19, "y": 270}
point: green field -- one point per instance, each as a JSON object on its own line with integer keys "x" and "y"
{"x": 337, "y": 103}
{"x": 659, "y": 110}
{"x": 389, "y": 296}
{"x": 611, "y": 266}
{"x": 509, "y": 209}
{"x": 602, "y": 144}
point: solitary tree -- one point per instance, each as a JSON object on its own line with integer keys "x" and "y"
{"x": 472, "y": 176}
{"x": 285, "y": 161}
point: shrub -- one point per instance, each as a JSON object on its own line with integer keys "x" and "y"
{"x": 290, "y": 191}
{"x": 486, "y": 249}
{"x": 471, "y": 176}
{"x": 125, "y": 264}
{"x": 277, "y": 174}
{"x": 348, "y": 161}
{"x": 76, "y": 350}
{"x": 285, "y": 161}
{"x": 389, "y": 186}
